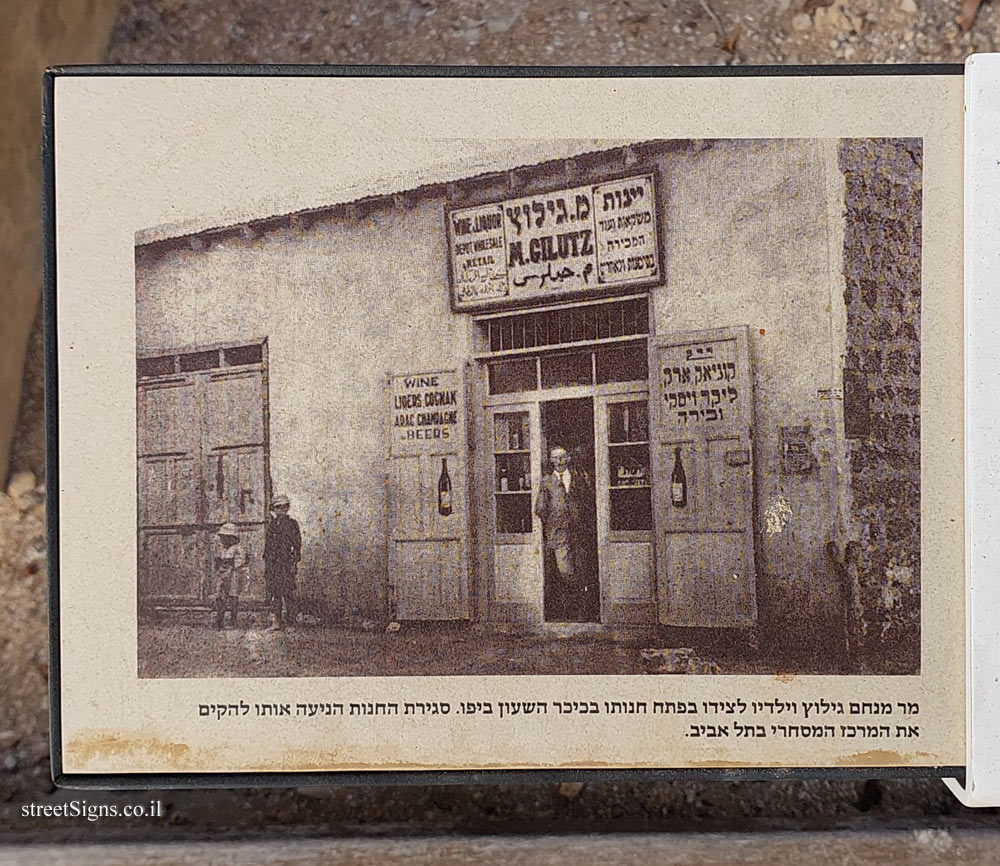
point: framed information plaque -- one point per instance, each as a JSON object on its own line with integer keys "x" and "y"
{"x": 390, "y": 447}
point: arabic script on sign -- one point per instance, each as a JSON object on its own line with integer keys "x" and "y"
{"x": 573, "y": 240}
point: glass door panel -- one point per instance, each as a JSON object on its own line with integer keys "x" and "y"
{"x": 628, "y": 479}
{"x": 512, "y": 483}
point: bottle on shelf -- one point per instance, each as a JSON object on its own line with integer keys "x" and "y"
{"x": 641, "y": 425}
{"x": 515, "y": 438}
{"x": 625, "y": 423}
{"x": 444, "y": 489}
{"x": 678, "y": 481}
{"x": 504, "y": 481}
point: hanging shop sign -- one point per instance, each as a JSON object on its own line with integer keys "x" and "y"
{"x": 598, "y": 237}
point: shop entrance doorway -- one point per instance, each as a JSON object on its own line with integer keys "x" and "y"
{"x": 578, "y": 377}
{"x": 572, "y": 585}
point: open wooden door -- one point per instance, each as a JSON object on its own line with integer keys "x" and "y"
{"x": 702, "y": 432}
{"x": 513, "y": 459}
{"x": 427, "y": 490}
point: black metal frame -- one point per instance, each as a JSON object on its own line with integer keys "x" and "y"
{"x": 140, "y": 781}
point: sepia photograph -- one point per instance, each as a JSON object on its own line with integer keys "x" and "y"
{"x": 480, "y": 423}
{"x": 540, "y": 407}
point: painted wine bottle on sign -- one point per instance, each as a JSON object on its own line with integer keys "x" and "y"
{"x": 678, "y": 482}
{"x": 444, "y": 489}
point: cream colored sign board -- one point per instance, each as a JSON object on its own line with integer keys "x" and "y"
{"x": 137, "y": 152}
{"x": 566, "y": 242}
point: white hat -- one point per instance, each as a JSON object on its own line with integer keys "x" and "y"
{"x": 280, "y": 500}
{"x": 229, "y": 529}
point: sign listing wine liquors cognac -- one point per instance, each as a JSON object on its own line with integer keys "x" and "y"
{"x": 426, "y": 413}
{"x": 588, "y": 238}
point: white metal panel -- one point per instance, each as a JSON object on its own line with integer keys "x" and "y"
{"x": 982, "y": 424}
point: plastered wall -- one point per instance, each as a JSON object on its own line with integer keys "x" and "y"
{"x": 753, "y": 235}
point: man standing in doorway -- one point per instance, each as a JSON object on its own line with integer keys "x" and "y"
{"x": 282, "y": 552}
{"x": 564, "y": 505}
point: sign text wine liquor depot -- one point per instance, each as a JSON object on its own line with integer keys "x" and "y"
{"x": 591, "y": 237}
{"x": 426, "y": 411}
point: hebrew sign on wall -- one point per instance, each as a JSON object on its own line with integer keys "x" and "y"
{"x": 578, "y": 240}
{"x": 701, "y": 384}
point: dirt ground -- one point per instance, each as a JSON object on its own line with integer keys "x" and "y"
{"x": 541, "y": 32}
{"x": 199, "y": 650}
{"x": 622, "y": 32}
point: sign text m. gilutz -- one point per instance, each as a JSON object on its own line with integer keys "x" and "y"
{"x": 584, "y": 238}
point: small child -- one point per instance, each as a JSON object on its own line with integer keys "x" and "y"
{"x": 231, "y": 572}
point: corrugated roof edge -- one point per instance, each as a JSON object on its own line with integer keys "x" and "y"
{"x": 195, "y": 228}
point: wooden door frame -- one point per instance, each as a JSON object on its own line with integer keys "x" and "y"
{"x": 198, "y": 377}
{"x": 524, "y": 400}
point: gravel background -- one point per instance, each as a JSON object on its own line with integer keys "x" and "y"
{"x": 712, "y": 32}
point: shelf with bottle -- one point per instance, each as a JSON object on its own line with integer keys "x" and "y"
{"x": 513, "y": 473}
{"x": 628, "y": 467}
{"x": 510, "y": 433}
{"x": 628, "y": 423}
{"x": 626, "y": 481}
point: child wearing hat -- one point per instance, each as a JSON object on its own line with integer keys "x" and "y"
{"x": 231, "y": 572}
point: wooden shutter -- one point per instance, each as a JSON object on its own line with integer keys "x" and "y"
{"x": 428, "y": 551}
{"x": 169, "y": 443}
{"x": 703, "y": 404}
{"x": 234, "y": 461}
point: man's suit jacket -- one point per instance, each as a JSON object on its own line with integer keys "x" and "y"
{"x": 562, "y": 512}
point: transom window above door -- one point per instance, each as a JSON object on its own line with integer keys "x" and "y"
{"x": 202, "y": 359}
{"x": 593, "y": 344}
{"x": 601, "y": 321}
{"x": 626, "y": 362}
